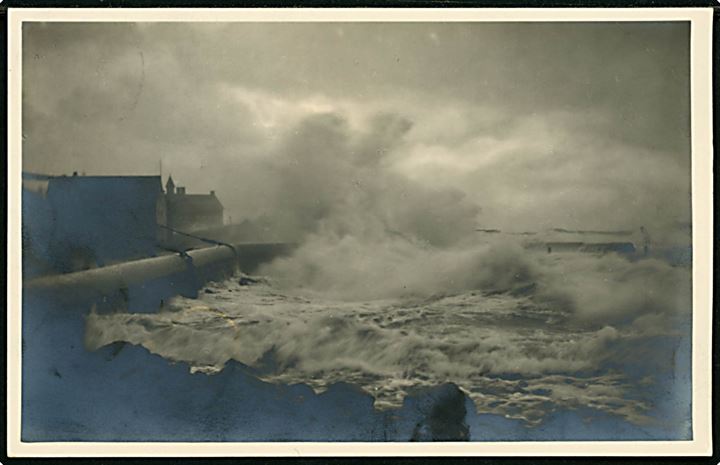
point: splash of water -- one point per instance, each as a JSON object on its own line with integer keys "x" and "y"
{"x": 522, "y": 346}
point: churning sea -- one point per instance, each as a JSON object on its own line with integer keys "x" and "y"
{"x": 531, "y": 338}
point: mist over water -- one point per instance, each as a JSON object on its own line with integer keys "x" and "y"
{"x": 367, "y": 232}
{"x": 526, "y": 345}
{"x": 393, "y": 289}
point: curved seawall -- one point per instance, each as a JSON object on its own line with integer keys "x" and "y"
{"x": 122, "y": 392}
{"x": 125, "y": 392}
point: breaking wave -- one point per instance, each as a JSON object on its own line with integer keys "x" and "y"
{"x": 523, "y": 334}
{"x": 392, "y": 289}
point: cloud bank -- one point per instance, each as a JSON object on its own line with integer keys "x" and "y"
{"x": 573, "y": 125}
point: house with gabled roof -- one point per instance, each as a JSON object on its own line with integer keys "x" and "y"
{"x": 191, "y": 212}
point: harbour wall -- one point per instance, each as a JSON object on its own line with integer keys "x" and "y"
{"x": 123, "y": 392}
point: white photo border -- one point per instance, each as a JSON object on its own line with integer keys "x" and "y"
{"x": 702, "y": 230}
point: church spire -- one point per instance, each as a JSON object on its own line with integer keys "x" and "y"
{"x": 170, "y": 185}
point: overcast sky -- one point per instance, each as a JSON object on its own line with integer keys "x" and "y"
{"x": 574, "y": 125}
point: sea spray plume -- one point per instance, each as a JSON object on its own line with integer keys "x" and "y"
{"x": 311, "y": 169}
{"x": 331, "y": 175}
{"x": 609, "y": 289}
{"x": 351, "y": 267}
{"x": 365, "y": 229}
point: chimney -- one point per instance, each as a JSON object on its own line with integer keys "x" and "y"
{"x": 74, "y": 173}
{"x": 212, "y": 193}
{"x": 181, "y": 190}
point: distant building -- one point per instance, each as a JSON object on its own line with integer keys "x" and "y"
{"x": 79, "y": 222}
{"x": 191, "y": 212}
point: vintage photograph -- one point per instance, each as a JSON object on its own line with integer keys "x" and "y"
{"x": 356, "y": 231}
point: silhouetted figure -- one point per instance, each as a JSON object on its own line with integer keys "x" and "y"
{"x": 646, "y": 240}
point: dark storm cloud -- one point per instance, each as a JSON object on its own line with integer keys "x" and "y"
{"x": 536, "y": 122}
{"x": 638, "y": 72}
